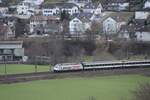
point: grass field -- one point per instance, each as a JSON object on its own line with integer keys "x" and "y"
{"x": 22, "y": 68}
{"x": 102, "y": 88}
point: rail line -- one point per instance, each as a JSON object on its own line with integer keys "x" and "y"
{"x": 26, "y": 77}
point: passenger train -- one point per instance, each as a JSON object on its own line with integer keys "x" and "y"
{"x": 100, "y": 65}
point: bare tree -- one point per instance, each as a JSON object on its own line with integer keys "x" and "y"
{"x": 143, "y": 92}
{"x": 55, "y": 47}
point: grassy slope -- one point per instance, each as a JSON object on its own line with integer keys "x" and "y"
{"x": 102, "y": 88}
{"x": 21, "y": 68}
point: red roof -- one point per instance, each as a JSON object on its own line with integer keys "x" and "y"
{"x": 44, "y": 18}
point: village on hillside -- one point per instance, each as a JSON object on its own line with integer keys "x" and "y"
{"x": 32, "y": 24}
{"x": 74, "y": 49}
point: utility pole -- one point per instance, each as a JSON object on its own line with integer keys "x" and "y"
{"x": 5, "y": 66}
{"x": 35, "y": 64}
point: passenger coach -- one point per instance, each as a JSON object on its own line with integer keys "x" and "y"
{"x": 100, "y": 65}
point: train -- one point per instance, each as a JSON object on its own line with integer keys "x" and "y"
{"x": 99, "y": 65}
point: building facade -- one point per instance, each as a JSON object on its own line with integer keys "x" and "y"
{"x": 79, "y": 25}
{"x": 57, "y": 8}
{"x": 11, "y": 50}
{"x": 110, "y": 26}
{"x": 25, "y": 8}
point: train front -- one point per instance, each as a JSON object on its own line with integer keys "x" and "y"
{"x": 56, "y": 68}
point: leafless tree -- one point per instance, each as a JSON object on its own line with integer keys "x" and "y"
{"x": 143, "y": 92}
{"x": 55, "y": 47}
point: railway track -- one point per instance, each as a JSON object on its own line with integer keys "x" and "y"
{"x": 8, "y": 79}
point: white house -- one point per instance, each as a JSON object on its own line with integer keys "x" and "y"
{"x": 97, "y": 13}
{"x": 70, "y": 8}
{"x": 123, "y": 6}
{"x": 35, "y": 2}
{"x": 78, "y": 25}
{"x": 99, "y": 9}
{"x": 141, "y": 14}
{"x": 80, "y": 3}
{"x": 147, "y": 4}
{"x": 117, "y": 5}
{"x": 56, "y": 8}
{"x": 112, "y": 25}
{"x": 3, "y": 10}
{"x": 50, "y": 9}
{"x": 92, "y": 8}
{"x": 25, "y": 9}
{"x": 143, "y": 36}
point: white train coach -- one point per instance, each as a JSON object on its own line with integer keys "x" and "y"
{"x": 100, "y": 65}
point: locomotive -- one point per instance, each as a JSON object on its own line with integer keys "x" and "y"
{"x": 100, "y": 65}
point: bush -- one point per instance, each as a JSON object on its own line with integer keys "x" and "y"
{"x": 143, "y": 92}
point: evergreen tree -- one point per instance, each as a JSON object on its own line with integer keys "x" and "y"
{"x": 64, "y": 15}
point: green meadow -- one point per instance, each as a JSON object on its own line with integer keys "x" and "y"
{"x": 100, "y": 88}
{"x": 22, "y": 68}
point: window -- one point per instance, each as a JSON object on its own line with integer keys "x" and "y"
{"x": 75, "y": 21}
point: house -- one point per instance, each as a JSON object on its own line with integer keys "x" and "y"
{"x": 6, "y": 32}
{"x": 147, "y": 4}
{"x": 116, "y": 5}
{"x": 79, "y": 25}
{"x": 11, "y": 50}
{"x": 43, "y": 24}
{"x": 57, "y": 8}
{"x": 50, "y": 28}
{"x": 35, "y": 2}
{"x": 80, "y": 3}
{"x": 83, "y": 15}
{"x": 143, "y": 34}
{"x": 3, "y": 10}
{"x": 9, "y": 24}
{"x": 97, "y": 15}
{"x": 139, "y": 29}
{"x": 142, "y": 14}
{"x": 25, "y": 8}
{"x": 93, "y": 8}
{"x": 50, "y": 9}
{"x": 112, "y": 25}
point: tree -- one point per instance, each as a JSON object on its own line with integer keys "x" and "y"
{"x": 55, "y": 47}
{"x": 95, "y": 27}
{"x": 20, "y": 27}
{"x": 64, "y": 15}
{"x": 131, "y": 30}
{"x": 143, "y": 92}
{"x": 92, "y": 32}
{"x": 5, "y": 2}
{"x": 90, "y": 36}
